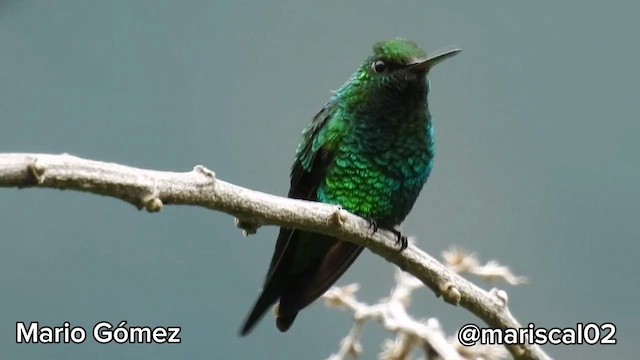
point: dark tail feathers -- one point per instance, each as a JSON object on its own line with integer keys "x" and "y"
{"x": 284, "y": 322}
{"x": 264, "y": 302}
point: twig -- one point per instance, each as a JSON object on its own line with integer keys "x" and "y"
{"x": 392, "y": 314}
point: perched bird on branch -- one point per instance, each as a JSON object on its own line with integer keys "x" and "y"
{"x": 370, "y": 150}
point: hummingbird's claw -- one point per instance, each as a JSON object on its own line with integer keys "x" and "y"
{"x": 373, "y": 224}
{"x": 404, "y": 242}
{"x": 400, "y": 239}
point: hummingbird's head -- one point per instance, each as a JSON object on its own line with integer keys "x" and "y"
{"x": 394, "y": 75}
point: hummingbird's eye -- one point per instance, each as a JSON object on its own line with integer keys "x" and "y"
{"x": 379, "y": 66}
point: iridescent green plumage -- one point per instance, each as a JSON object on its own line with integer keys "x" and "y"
{"x": 369, "y": 150}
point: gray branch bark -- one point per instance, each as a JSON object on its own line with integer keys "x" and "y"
{"x": 151, "y": 190}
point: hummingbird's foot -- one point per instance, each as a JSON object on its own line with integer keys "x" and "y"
{"x": 373, "y": 224}
{"x": 400, "y": 239}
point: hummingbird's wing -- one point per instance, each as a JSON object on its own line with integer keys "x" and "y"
{"x": 298, "y": 283}
{"x": 307, "y": 173}
{"x": 317, "y": 277}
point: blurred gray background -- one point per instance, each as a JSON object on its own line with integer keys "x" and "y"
{"x": 537, "y": 125}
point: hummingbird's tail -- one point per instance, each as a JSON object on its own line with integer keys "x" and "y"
{"x": 268, "y": 297}
{"x": 297, "y": 291}
{"x": 264, "y": 302}
{"x": 284, "y": 322}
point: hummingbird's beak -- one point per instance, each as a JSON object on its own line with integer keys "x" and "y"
{"x": 424, "y": 65}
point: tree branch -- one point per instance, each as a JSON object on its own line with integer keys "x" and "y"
{"x": 150, "y": 190}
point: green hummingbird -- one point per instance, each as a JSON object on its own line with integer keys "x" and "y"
{"x": 370, "y": 150}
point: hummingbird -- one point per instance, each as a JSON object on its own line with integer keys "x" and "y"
{"x": 370, "y": 150}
